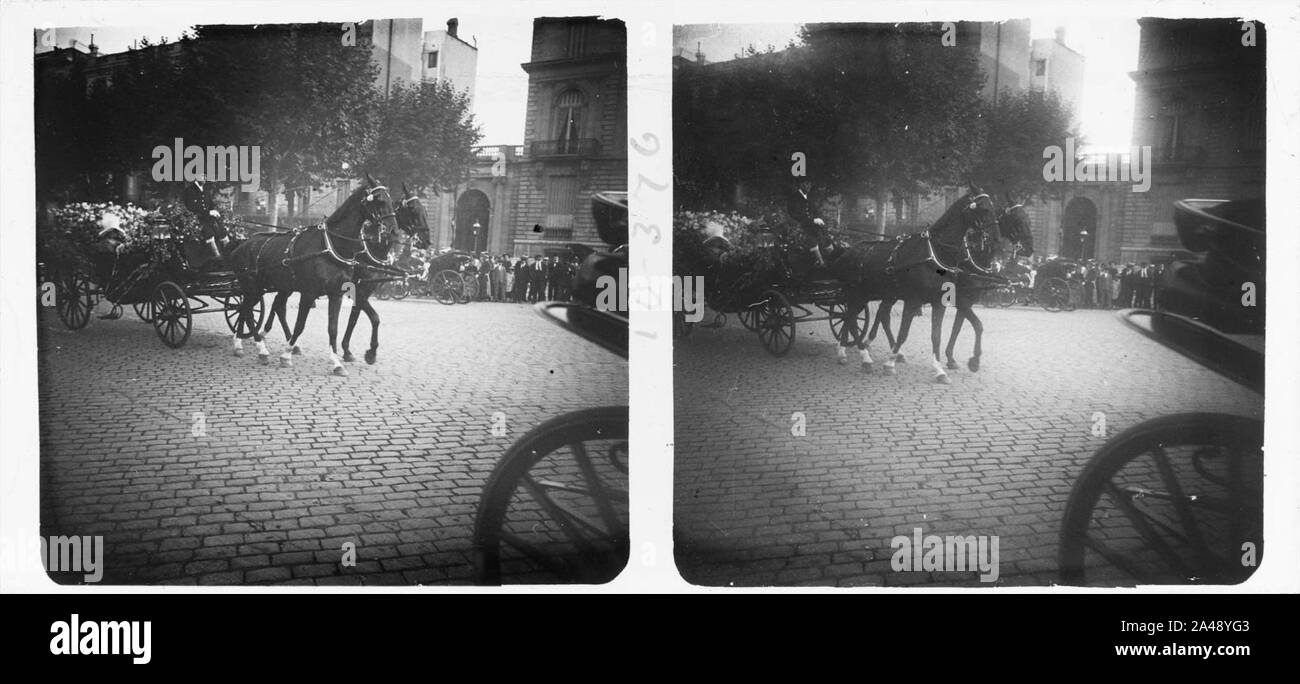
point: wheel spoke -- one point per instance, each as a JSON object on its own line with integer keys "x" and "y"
{"x": 1144, "y": 528}
{"x": 596, "y": 487}
{"x": 1184, "y": 511}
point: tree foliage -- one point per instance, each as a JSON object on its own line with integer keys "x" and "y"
{"x": 425, "y": 136}
{"x": 875, "y": 109}
{"x": 295, "y": 91}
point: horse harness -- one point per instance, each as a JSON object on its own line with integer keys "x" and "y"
{"x": 366, "y": 258}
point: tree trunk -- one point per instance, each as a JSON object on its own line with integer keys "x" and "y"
{"x": 271, "y": 182}
{"x": 881, "y": 203}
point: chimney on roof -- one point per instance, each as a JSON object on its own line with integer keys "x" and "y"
{"x": 699, "y": 54}
{"x": 452, "y": 23}
{"x": 94, "y": 49}
{"x": 1060, "y": 35}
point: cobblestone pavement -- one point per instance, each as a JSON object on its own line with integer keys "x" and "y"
{"x": 294, "y": 462}
{"x": 994, "y": 453}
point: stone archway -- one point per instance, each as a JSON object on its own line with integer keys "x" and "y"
{"x": 1079, "y": 229}
{"x": 473, "y": 216}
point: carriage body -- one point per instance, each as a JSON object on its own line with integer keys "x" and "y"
{"x": 1178, "y": 499}
{"x": 162, "y": 274}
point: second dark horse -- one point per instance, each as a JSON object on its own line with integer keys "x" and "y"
{"x": 312, "y": 261}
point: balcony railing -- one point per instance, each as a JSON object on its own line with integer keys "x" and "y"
{"x": 558, "y": 234}
{"x": 570, "y": 147}
{"x": 488, "y": 153}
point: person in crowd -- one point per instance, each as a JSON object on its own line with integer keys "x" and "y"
{"x": 1142, "y": 287}
{"x": 1103, "y": 287}
{"x": 498, "y": 278}
{"x": 521, "y": 280}
{"x": 555, "y": 279}
{"x": 1126, "y": 287}
{"x": 537, "y": 279}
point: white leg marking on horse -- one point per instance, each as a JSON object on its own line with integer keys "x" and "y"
{"x": 866, "y": 356}
{"x": 286, "y": 358}
{"x": 940, "y": 375}
{"x": 338, "y": 365}
{"x": 842, "y": 354}
{"x": 239, "y": 346}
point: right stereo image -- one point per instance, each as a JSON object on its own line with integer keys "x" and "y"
{"x": 984, "y": 303}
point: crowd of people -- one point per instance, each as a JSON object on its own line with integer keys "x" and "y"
{"x": 1109, "y": 285}
{"x": 503, "y": 278}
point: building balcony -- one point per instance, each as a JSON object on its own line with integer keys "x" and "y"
{"x": 489, "y": 153}
{"x": 570, "y": 147}
{"x": 558, "y": 234}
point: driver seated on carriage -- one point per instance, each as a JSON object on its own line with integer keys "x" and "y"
{"x": 197, "y": 198}
{"x": 812, "y": 231}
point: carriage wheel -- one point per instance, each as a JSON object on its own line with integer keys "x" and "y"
{"x": 1006, "y": 297}
{"x": 857, "y": 327}
{"x": 747, "y": 316}
{"x": 231, "y": 309}
{"x": 75, "y": 301}
{"x": 143, "y": 310}
{"x": 398, "y": 289}
{"x": 555, "y": 508}
{"x": 171, "y": 314}
{"x": 1068, "y": 303}
{"x": 469, "y": 289}
{"x": 447, "y": 286}
{"x": 1054, "y": 294}
{"x": 776, "y": 324}
{"x": 1175, "y": 500}
{"x": 382, "y": 292}
{"x": 836, "y": 312}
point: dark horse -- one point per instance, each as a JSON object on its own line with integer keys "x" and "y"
{"x": 918, "y": 268}
{"x": 372, "y": 270}
{"x": 312, "y": 261}
{"x": 977, "y": 277}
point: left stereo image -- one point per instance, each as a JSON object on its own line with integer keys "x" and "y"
{"x": 456, "y": 184}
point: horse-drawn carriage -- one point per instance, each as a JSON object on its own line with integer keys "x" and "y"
{"x": 154, "y": 263}
{"x": 768, "y": 290}
{"x": 1055, "y": 283}
{"x": 1179, "y": 499}
{"x": 453, "y": 279}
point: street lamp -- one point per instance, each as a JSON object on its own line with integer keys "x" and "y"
{"x": 1083, "y": 241}
{"x": 476, "y": 227}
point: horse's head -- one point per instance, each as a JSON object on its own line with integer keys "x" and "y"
{"x": 977, "y": 221}
{"x": 379, "y": 224}
{"x": 411, "y": 218}
{"x": 1013, "y": 224}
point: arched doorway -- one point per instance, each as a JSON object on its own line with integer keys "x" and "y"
{"x": 473, "y": 213}
{"x": 1079, "y": 229}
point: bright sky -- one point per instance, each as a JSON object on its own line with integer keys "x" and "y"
{"x": 501, "y": 90}
{"x": 1109, "y": 46}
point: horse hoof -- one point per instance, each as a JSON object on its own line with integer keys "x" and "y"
{"x": 264, "y": 359}
{"x": 942, "y": 380}
{"x": 889, "y": 370}
{"x": 347, "y": 356}
{"x": 286, "y": 362}
{"x": 866, "y": 368}
{"x": 899, "y": 358}
{"x": 370, "y": 357}
{"x": 239, "y": 352}
{"x": 974, "y": 363}
{"x": 341, "y": 371}
{"x": 952, "y": 365}
{"x": 296, "y": 351}
{"x": 843, "y": 360}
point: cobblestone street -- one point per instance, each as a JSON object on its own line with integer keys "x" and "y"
{"x": 994, "y": 453}
{"x": 293, "y": 462}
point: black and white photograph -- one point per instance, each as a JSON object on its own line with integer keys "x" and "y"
{"x": 400, "y": 226}
{"x": 985, "y": 302}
